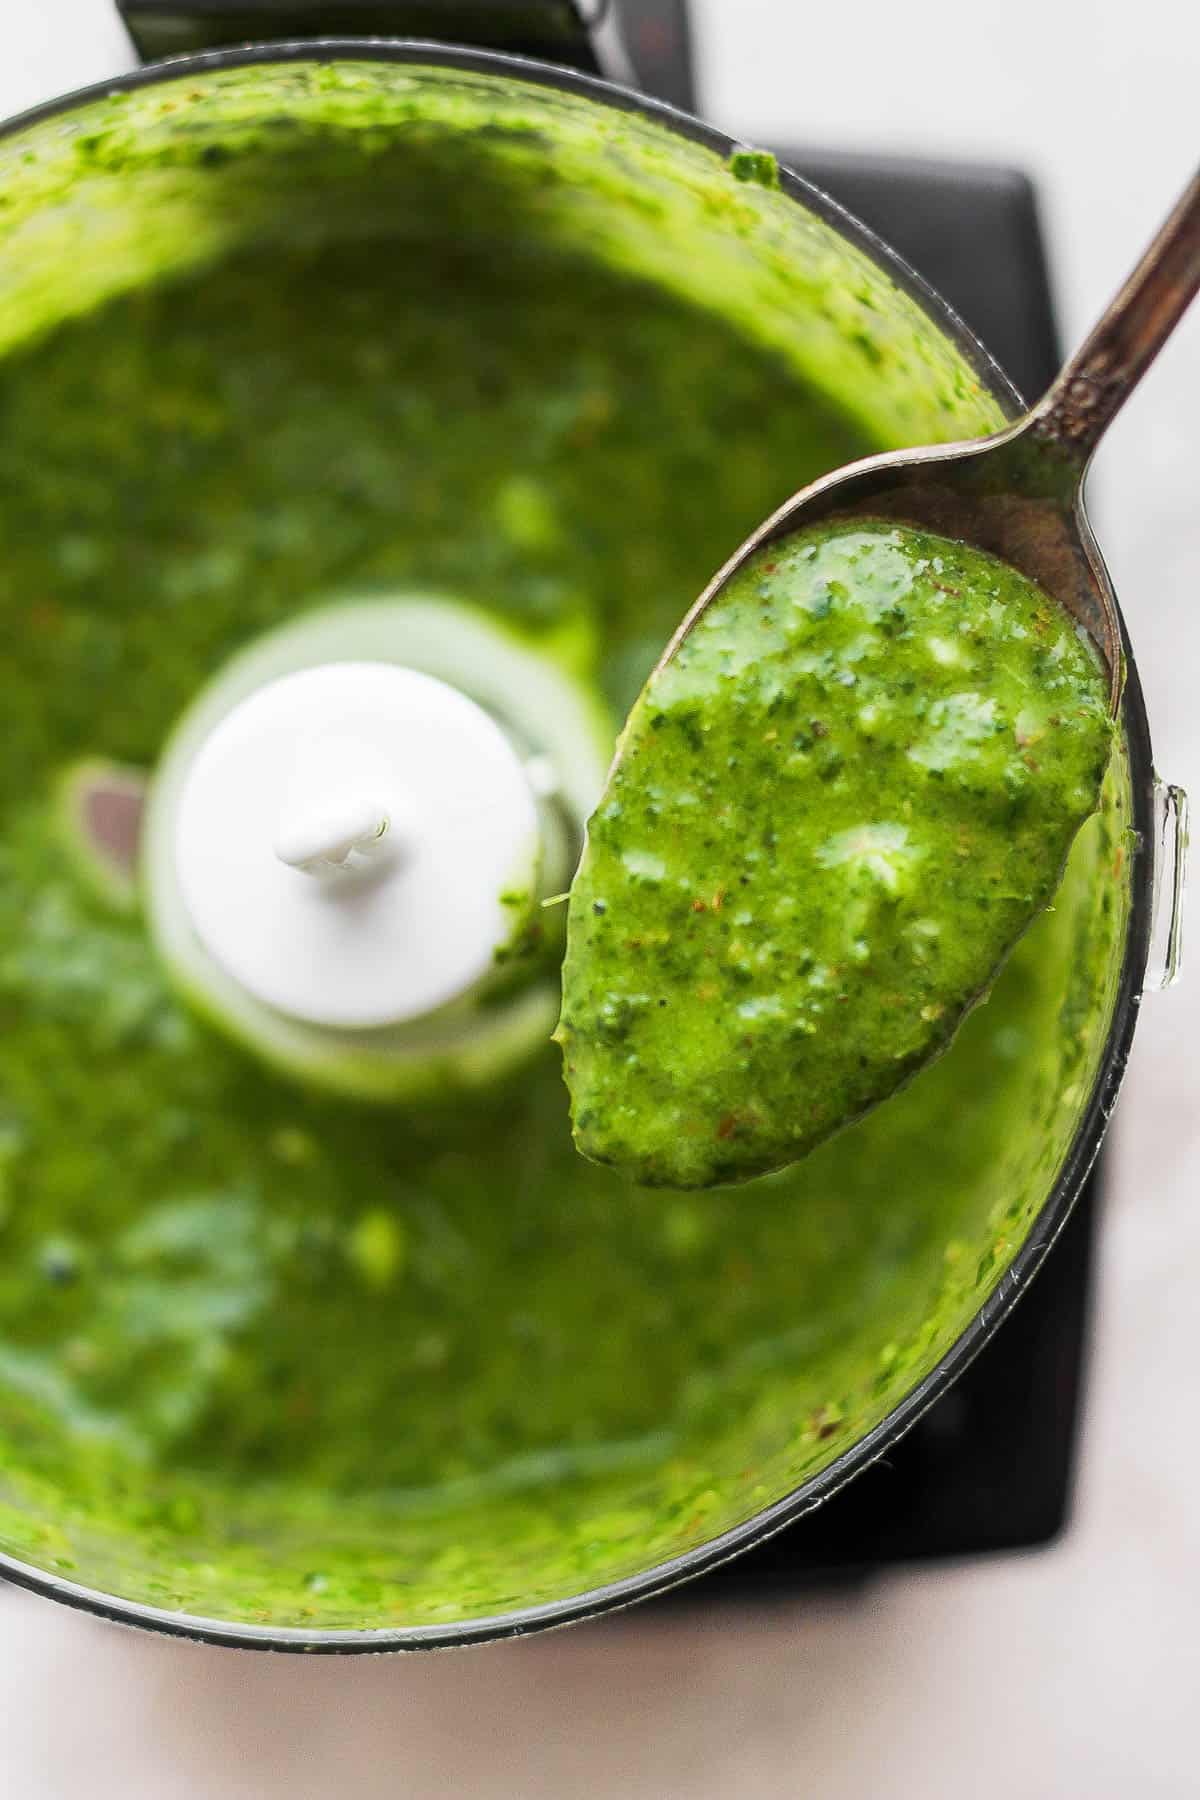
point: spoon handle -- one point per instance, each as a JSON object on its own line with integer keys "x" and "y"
{"x": 1104, "y": 371}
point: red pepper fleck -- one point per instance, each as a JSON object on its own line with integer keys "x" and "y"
{"x": 44, "y": 616}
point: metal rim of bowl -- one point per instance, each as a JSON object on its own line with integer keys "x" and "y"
{"x": 1089, "y": 1132}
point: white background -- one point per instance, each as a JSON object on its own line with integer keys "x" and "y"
{"x": 1071, "y": 1675}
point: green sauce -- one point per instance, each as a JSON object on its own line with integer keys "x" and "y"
{"x": 265, "y": 1354}
{"x": 831, "y": 815}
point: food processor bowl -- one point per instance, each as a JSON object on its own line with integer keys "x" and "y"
{"x": 160, "y": 177}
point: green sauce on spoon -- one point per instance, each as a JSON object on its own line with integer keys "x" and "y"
{"x": 832, "y": 814}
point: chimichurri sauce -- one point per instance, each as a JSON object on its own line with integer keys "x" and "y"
{"x": 832, "y": 814}
{"x": 277, "y": 1357}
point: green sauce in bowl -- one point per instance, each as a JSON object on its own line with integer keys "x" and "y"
{"x": 273, "y": 336}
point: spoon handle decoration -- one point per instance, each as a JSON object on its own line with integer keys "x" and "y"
{"x": 1100, "y": 377}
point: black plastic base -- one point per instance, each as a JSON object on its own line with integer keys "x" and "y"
{"x": 554, "y": 29}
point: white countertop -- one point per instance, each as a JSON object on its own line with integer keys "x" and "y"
{"x": 1067, "y": 1674}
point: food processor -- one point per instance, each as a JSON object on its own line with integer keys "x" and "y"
{"x": 274, "y": 957}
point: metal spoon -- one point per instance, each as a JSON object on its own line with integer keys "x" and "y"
{"x": 1019, "y": 493}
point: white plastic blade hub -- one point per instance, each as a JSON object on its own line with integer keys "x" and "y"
{"x": 405, "y": 795}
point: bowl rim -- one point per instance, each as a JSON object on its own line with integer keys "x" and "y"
{"x": 1085, "y": 1145}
